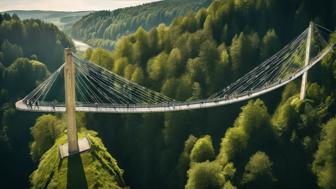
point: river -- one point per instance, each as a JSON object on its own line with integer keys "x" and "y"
{"x": 80, "y": 45}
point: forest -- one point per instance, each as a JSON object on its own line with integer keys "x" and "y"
{"x": 276, "y": 141}
{"x": 103, "y": 28}
{"x": 62, "y": 19}
{"x": 30, "y": 51}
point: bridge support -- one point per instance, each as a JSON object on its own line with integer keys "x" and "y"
{"x": 73, "y": 146}
{"x": 307, "y": 59}
{"x": 69, "y": 84}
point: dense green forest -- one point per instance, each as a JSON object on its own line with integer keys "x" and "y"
{"x": 277, "y": 141}
{"x": 33, "y": 39}
{"x": 24, "y": 46}
{"x": 103, "y": 28}
{"x": 63, "y": 20}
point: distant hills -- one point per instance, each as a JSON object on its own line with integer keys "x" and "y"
{"x": 62, "y": 19}
{"x": 104, "y": 28}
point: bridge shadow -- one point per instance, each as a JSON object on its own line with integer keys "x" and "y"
{"x": 76, "y": 175}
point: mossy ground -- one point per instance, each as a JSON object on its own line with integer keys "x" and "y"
{"x": 91, "y": 169}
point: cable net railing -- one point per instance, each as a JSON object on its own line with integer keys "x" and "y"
{"x": 98, "y": 88}
{"x": 279, "y": 68}
{"x": 96, "y": 85}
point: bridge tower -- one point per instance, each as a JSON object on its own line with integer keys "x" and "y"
{"x": 73, "y": 146}
{"x": 307, "y": 59}
{"x": 70, "y": 98}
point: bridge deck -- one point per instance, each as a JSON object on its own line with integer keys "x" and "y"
{"x": 172, "y": 106}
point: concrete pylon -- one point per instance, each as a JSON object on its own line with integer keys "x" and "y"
{"x": 307, "y": 59}
{"x": 73, "y": 146}
{"x": 70, "y": 99}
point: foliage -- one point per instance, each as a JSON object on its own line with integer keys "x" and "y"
{"x": 61, "y": 19}
{"x": 24, "y": 73}
{"x": 103, "y": 28}
{"x": 258, "y": 167}
{"x": 92, "y": 169}
{"x": 202, "y": 150}
{"x": 228, "y": 185}
{"x": 199, "y": 54}
{"x": 28, "y": 50}
{"x": 45, "y": 132}
{"x": 252, "y": 129}
{"x": 285, "y": 117}
{"x": 31, "y": 37}
{"x": 184, "y": 160}
{"x": 10, "y": 52}
{"x": 205, "y": 175}
{"x": 324, "y": 165}
{"x": 195, "y": 56}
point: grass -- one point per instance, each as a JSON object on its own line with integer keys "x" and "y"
{"x": 95, "y": 168}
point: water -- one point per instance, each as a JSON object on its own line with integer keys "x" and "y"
{"x": 81, "y": 46}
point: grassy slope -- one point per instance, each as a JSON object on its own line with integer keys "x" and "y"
{"x": 92, "y": 169}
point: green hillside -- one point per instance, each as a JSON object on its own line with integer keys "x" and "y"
{"x": 103, "y": 28}
{"x": 63, "y": 20}
{"x": 92, "y": 169}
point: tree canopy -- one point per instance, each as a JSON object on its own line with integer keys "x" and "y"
{"x": 103, "y": 28}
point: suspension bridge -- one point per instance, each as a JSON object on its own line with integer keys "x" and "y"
{"x": 83, "y": 86}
